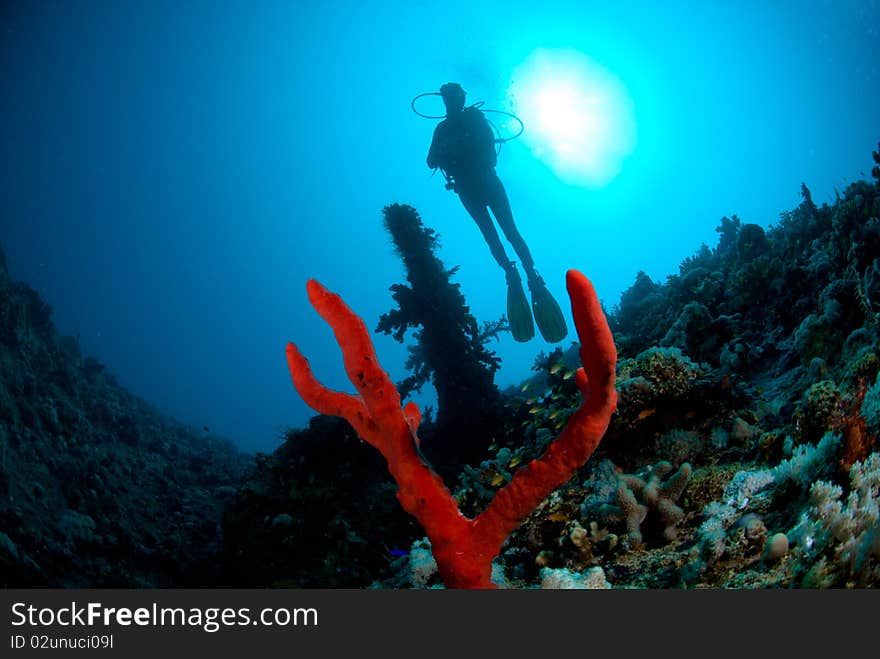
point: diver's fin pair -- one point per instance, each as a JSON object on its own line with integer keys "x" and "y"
{"x": 546, "y": 310}
{"x": 548, "y": 315}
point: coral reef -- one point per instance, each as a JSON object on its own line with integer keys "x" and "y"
{"x": 756, "y": 367}
{"x": 318, "y": 512}
{"x": 97, "y": 488}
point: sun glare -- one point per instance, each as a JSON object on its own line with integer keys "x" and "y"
{"x": 578, "y": 116}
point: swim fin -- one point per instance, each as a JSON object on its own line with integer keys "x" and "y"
{"x": 548, "y": 315}
{"x": 518, "y": 313}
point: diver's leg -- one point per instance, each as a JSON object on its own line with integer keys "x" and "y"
{"x": 477, "y": 210}
{"x": 547, "y": 313}
{"x": 519, "y": 314}
{"x": 500, "y": 206}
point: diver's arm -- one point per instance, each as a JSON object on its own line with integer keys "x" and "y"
{"x": 434, "y": 153}
{"x": 487, "y": 139}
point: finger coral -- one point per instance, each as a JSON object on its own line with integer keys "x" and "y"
{"x": 655, "y": 488}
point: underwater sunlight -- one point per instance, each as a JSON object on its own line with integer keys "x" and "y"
{"x": 579, "y": 117}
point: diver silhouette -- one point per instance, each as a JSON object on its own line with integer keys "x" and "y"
{"x": 463, "y": 148}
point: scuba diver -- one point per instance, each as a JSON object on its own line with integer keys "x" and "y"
{"x": 463, "y": 148}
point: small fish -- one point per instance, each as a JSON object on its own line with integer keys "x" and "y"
{"x": 554, "y": 414}
{"x": 514, "y": 461}
{"x": 497, "y": 480}
{"x": 535, "y": 410}
{"x": 567, "y": 375}
{"x": 525, "y": 386}
{"x": 493, "y": 447}
{"x": 644, "y": 414}
{"x": 413, "y": 417}
{"x": 557, "y": 517}
{"x": 555, "y": 369}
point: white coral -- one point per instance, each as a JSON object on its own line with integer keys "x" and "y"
{"x": 808, "y": 462}
{"x": 563, "y": 579}
{"x": 850, "y": 530}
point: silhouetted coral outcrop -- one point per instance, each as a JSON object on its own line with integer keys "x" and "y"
{"x": 318, "y": 512}
{"x": 449, "y": 347}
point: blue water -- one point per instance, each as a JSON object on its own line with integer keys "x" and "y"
{"x": 172, "y": 173}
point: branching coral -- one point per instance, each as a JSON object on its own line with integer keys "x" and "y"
{"x": 871, "y": 407}
{"x": 843, "y": 535}
{"x": 750, "y": 493}
{"x": 464, "y": 548}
